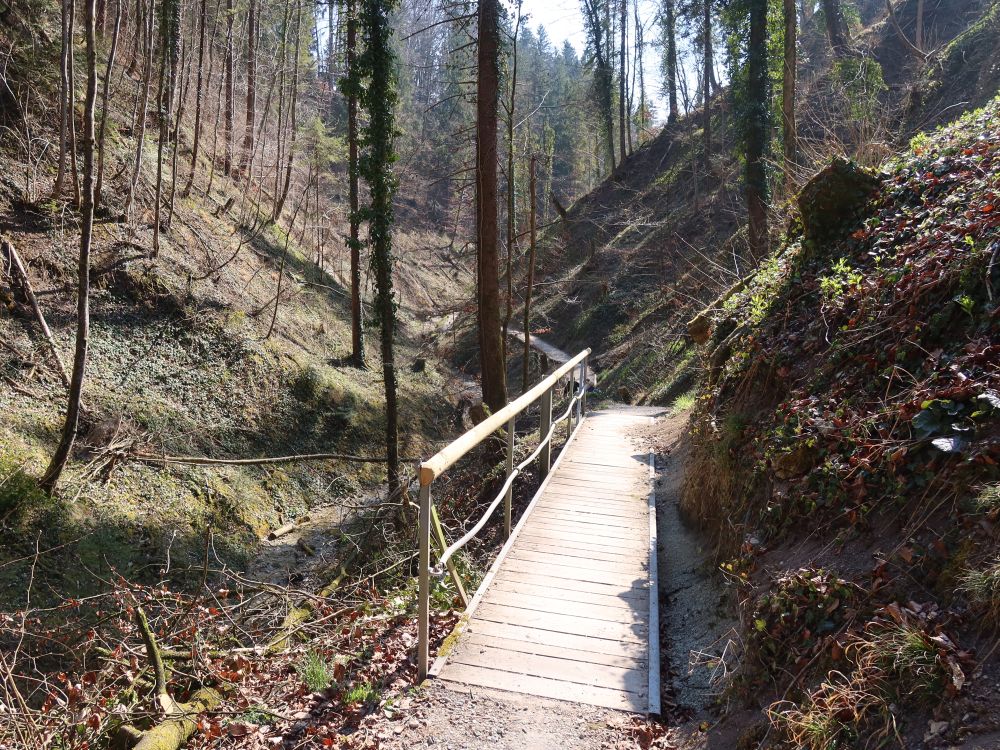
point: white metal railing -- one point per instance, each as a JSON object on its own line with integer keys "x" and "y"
{"x": 435, "y": 466}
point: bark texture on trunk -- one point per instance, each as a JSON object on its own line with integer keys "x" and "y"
{"x": 488, "y": 87}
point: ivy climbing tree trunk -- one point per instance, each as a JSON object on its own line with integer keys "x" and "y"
{"x": 836, "y": 29}
{"x": 757, "y": 128}
{"x": 494, "y": 371}
{"x": 380, "y": 97}
{"x": 597, "y": 31}
{"x": 622, "y": 78}
{"x": 51, "y": 477}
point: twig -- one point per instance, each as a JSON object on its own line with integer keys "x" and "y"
{"x": 150, "y": 458}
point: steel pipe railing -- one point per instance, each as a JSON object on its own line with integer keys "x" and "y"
{"x": 444, "y": 459}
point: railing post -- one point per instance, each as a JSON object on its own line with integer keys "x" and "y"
{"x": 572, "y": 410}
{"x": 424, "y": 590}
{"x": 583, "y": 401}
{"x": 510, "y": 470}
{"x": 545, "y": 423}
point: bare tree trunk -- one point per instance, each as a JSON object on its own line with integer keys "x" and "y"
{"x": 918, "y": 32}
{"x": 293, "y": 123}
{"x": 531, "y": 278}
{"x": 511, "y": 188}
{"x": 789, "y": 133}
{"x": 198, "y": 96}
{"x": 622, "y": 78}
{"x": 71, "y": 101}
{"x": 141, "y": 127}
{"x": 671, "y": 63}
{"x": 64, "y": 109}
{"x": 230, "y": 118}
{"x": 105, "y": 98}
{"x": 494, "y": 373}
{"x": 251, "y": 112}
{"x": 707, "y": 84}
{"x": 354, "y": 241}
{"x": 61, "y": 455}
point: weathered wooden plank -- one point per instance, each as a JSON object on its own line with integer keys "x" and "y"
{"x": 594, "y": 658}
{"x": 583, "y": 550}
{"x": 621, "y": 510}
{"x": 608, "y": 646}
{"x": 631, "y": 603}
{"x": 579, "y": 673}
{"x": 572, "y": 573}
{"x": 580, "y": 528}
{"x": 600, "y": 520}
{"x": 570, "y": 538}
{"x": 633, "y": 591}
{"x": 571, "y": 624}
{"x": 546, "y": 688}
{"x": 544, "y": 559}
{"x": 629, "y": 615}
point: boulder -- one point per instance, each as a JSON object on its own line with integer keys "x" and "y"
{"x": 832, "y": 200}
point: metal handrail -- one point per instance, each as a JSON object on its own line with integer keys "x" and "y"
{"x": 445, "y": 458}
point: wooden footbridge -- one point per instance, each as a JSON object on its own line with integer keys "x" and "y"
{"x": 569, "y": 608}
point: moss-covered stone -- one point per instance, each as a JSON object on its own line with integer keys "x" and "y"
{"x": 831, "y": 201}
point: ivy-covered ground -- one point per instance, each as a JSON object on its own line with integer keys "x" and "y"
{"x": 846, "y": 450}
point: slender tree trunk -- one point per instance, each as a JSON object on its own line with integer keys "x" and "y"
{"x": 622, "y": 79}
{"x": 105, "y": 97}
{"x": 757, "y": 129}
{"x": 292, "y": 116}
{"x": 198, "y": 95}
{"x": 251, "y": 101}
{"x": 670, "y": 21}
{"x": 789, "y": 133}
{"x": 65, "y": 105}
{"x": 51, "y": 477}
{"x": 354, "y": 243}
{"x": 531, "y": 278}
{"x": 381, "y": 99}
{"x": 230, "y": 117}
{"x": 918, "y": 32}
{"x": 141, "y": 126}
{"x": 72, "y": 107}
{"x": 494, "y": 373}
{"x": 707, "y": 83}
{"x": 511, "y": 192}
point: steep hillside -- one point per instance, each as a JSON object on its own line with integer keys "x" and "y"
{"x": 231, "y": 341}
{"x": 663, "y": 236}
{"x": 845, "y": 453}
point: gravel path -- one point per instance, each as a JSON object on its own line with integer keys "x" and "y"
{"x": 468, "y": 719}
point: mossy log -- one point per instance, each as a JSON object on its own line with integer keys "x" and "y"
{"x": 174, "y": 731}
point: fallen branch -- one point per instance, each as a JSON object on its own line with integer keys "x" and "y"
{"x": 182, "y": 718}
{"x": 15, "y": 262}
{"x": 151, "y": 458}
